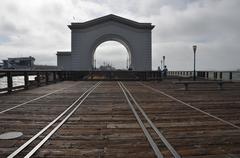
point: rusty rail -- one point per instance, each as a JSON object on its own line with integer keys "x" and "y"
{"x": 153, "y": 143}
{"x": 64, "y": 115}
{"x": 192, "y": 107}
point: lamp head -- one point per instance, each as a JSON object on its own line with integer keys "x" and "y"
{"x": 194, "y": 48}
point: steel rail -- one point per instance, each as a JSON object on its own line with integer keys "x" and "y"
{"x": 17, "y": 151}
{"x": 164, "y": 140}
{"x": 40, "y": 97}
{"x": 197, "y": 109}
{"x": 59, "y": 125}
{"x": 145, "y": 131}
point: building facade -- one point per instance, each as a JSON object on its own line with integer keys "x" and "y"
{"x": 87, "y": 36}
{"x": 19, "y": 63}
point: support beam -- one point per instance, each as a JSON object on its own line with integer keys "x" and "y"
{"x": 9, "y": 82}
{"x": 54, "y": 77}
{"x": 46, "y": 77}
{"x": 38, "y": 79}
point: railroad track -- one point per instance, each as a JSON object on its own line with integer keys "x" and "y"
{"x": 111, "y": 122}
{"x": 192, "y": 131}
{"x": 35, "y": 99}
{"x": 144, "y": 120}
{"x": 190, "y": 106}
{"x": 26, "y": 151}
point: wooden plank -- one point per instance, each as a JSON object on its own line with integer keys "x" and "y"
{"x": 105, "y": 127}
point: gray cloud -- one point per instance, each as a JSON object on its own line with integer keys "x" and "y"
{"x": 39, "y": 28}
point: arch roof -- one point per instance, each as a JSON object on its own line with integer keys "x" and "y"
{"x": 111, "y": 17}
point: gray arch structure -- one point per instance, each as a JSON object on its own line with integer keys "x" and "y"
{"x": 87, "y": 36}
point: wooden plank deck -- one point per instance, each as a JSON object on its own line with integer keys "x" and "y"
{"x": 104, "y": 125}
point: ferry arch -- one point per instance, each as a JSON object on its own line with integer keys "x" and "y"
{"x": 87, "y": 36}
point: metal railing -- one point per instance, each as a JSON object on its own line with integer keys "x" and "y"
{"x": 209, "y": 75}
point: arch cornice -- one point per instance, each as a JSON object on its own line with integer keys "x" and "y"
{"x": 111, "y": 17}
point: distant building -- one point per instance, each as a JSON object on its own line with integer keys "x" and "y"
{"x": 45, "y": 67}
{"x": 19, "y": 63}
{"x": 106, "y": 67}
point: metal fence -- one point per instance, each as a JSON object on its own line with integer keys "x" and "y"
{"x": 210, "y": 75}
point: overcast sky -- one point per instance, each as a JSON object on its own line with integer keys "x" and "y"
{"x": 39, "y": 28}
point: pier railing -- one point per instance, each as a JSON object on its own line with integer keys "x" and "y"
{"x": 45, "y": 77}
{"x": 40, "y": 78}
{"x": 111, "y": 75}
{"x": 209, "y": 75}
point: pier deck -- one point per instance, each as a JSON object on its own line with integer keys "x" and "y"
{"x": 203, "y": 122}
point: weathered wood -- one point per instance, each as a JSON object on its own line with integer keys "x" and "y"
{"x": 186, "y": 83}
{"x": 46, "y": 77}
{"x": 9, "y": 82}
{"x": 104, "y": 126}
{"x": 54, "y": 77}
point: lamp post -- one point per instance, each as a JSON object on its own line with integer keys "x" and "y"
{"x": 163, "y": 61}
{"x": 194, "y": 62}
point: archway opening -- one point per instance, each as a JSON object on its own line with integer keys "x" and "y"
{"x": 111, "y": 55}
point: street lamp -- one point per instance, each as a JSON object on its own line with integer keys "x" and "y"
{"x": 194, "y": 61}
{"x": 163, "y": 62}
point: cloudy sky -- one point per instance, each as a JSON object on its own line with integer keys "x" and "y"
{"x": 39, "y": 28}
